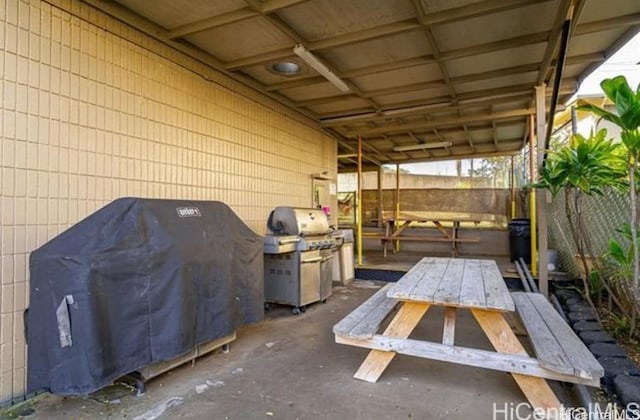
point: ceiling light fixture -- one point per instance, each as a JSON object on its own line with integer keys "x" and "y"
{"x": 286, "y": 68}
{"x": 422, "y": 146}
{"x": 320, "y": 67}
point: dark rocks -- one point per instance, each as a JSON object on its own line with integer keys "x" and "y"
{"x": 581, "y": 316}
{"x": 627, "y": 388}
{"x": 614, "y": 366}
{"x": 586, "y": 326}
{"x": 573, "y": 300}
{"x": 621, "y": 375}
{"x": 579, "y": 307}
{"x": 565, "y": 294}
{"x": 607, "y": 350}
{"x": 590, "y": 337}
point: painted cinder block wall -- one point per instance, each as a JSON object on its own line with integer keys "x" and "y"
{"x": 92, "y": 110}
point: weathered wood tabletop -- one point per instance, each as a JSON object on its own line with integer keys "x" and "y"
{"x": 455, "y": 284}
{"x": 463, "y": 283}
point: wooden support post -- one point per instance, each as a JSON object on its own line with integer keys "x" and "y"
{"x": 513, "y": 188}
{"x": 380, "y": 203}
{"x": 537, "y": 390}
{"x": 401, "y": 326}
{"x": 397, "y": 215}
{"x": 449, "y": 331}
{"x": 359, "y": 204}
{"x": 541, "y": 201}
{"x": 532, "y": 198}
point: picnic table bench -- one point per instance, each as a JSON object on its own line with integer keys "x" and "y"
{"x": 476, "y": 285}
{"x": 395, "y": 228}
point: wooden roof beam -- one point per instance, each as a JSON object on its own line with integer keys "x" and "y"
{"x": 427, "y": 85}
{"x": 380, "y": 31}
{"x": 268, "y": 6}
{"x": 352, "y": 149}
{"x": 461, "y": 155}
{"x": 365, "y": 34}
{"x": 285, "y": 28}
{"x": 606, "y": 24}
{"x": 420, "y": 110}
{"x": 475, "y": 10}
{"x": 362, "y": 71}
{"x": 564, "y": 9}
{"x": 211, "y": 23}
{"x": 453, "y": 132}
{"x": 336, "y": 41}
{"x": 427, "y": 59}
{"x": 473, "y": 99}
{"x": 435, "y": 50}
{"x": 569, "y": 86}
{"x": 441, "y": 122}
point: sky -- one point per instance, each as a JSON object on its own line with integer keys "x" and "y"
{"x": 625, "y": 61}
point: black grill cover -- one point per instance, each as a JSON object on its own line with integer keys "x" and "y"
{"x": 137, "y": 282}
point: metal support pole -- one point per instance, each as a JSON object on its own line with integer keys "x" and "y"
{"x": 359, "y": 203}
{"x": 532, "y": 198}
{"x": 397, "y": 215}
{"x": 513, "y": 188}
{"x": 380, "y": 204}
{"x": 542, "y": 202}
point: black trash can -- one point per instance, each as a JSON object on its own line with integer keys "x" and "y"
{"x": 520, "y": 240}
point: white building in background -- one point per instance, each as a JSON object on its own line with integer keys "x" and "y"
{"x": 626, "y": 62}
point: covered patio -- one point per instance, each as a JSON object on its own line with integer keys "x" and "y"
{"x": 406, "y": 81}
{"x": 380, "y": 82}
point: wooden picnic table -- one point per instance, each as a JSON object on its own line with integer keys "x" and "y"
{"x": 395, "y": 228}
{"x": 478, "y": 286}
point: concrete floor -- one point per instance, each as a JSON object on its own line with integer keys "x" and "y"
{"x": 289, "y": 367}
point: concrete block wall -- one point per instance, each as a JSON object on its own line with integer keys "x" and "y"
{"x": 92, "y": 110}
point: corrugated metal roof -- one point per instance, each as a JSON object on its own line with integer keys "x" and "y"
{"x": 459, "y": 71}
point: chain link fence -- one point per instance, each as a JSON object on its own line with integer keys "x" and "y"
{"x": 602, "y": 214}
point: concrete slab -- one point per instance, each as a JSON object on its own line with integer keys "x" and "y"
{"x": 289, "y": 367}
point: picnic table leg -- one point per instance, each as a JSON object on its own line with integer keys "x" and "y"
{"x": 454, "y": 234}
{"x": 537, "y": 390}
{"x": 401, "y": 326}
{"x": 387, "y": 233}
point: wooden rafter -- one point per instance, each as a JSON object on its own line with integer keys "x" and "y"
{"x": 474, "y": 10}
{"x": 299, "y": 39}
{"x": 435, "y": 50}
{"x": 427, "y": 59}
{"x": 256, "y": 9}
{"x": 552, "y": 45}
{"x": 212, "y": 22}
{"x": 394, "y": 128}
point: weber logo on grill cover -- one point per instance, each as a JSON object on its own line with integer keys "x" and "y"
{"x": 188, "y": 212}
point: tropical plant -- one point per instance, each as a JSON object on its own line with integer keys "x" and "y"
{"x": 583, "y": 166}
{"x": 621, "y": 325}
{"x": 619, "y": 259}
{"x": 626, "y": 116}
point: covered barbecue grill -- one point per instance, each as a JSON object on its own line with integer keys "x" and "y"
{"x": 138, "y": 282}
{"x": 298, "y": 257}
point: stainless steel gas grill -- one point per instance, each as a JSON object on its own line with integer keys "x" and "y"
{"x": 298, "y": 257}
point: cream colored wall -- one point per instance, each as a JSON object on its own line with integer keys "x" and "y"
{"x": 93, "y": 110}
